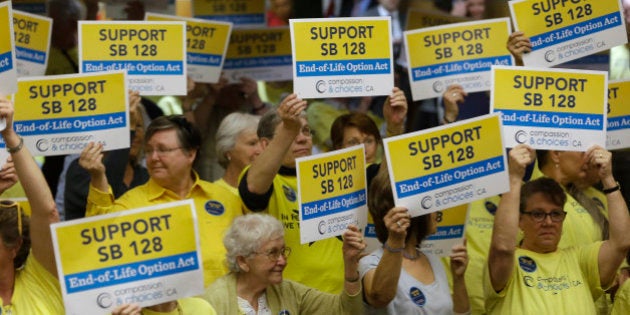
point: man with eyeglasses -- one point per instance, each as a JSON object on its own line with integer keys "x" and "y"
{"x": 550, "y": 280}
{"x": 171, "y": 146}
{"x": 271, "y": 184}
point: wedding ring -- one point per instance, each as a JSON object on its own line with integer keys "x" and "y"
{"x": 399, "y": 225}
{"x": 454, "y": 94}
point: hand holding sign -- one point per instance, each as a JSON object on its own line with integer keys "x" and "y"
{"x": 8, "y": 176}
{"x": 519, "y": 44}
{"x": 459, "y": 260}
{"x": 397, "y": 220}
{"x": 290, "y": 110}
{"x": 395, "y": 112}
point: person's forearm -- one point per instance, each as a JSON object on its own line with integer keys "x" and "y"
{"x": 352, "y": 280}
{"x": 461, "y": 304}
{"x": 43, "y": 208}
{"x": 504, "y": 234}
{"x": 619, "y": 220}
{"x": 266, "y": 166}
{"x": 384, "y": 282}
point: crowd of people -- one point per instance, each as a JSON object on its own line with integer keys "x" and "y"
{"x": 555, "y": 243}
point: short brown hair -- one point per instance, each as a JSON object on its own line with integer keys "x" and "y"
{"x": 381, "y": 200}
{"x": 10, "y": 234}
{"x": 361, "y": 121}
{"x": 546, "y": 186}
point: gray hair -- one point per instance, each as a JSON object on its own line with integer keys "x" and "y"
{"x": 247, "y": 235}
{"x": 269, "y": 121}
{"x": 230, "y": 128}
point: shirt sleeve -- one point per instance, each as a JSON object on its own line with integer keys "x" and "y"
{"x": 252, "y": 201}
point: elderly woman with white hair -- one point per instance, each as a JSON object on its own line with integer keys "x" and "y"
{"x": 237, "y": 145}
{"x": 256, "y": 257}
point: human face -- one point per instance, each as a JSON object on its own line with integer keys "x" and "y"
{"x": 7, "y": 255}
{"x": 246, "y": 149}
{"x": 353, "y": 136}
{"x": 434, "y": 222}
{"x": 540, "y": 237}
{"x": 282, "y": 8}
{"x": 301, "y": 146}
{"x": 167, "y": 162}
{"x": 263, "y": 267}
{"x": 476, "y": 9}
{"x": 572, "y": 166}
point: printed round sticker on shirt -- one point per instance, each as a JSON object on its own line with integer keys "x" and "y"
{"x": 214, "y": 207}
{"x": 491, "y": 207}
{"x": 527, "y": 263}
{"x": 289, "y": 193}
{"x": 417, "y": 296}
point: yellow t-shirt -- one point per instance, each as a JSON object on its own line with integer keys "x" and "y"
{"x": 318, "y": 264}
{"x": 224, "y": 184}
{"x": 216, "y": 209}
{"x": 187, "y": 306}
{"x": 36, "y": 291}
{"x": 563, "y": 282}
{"x": 621, "y": 306}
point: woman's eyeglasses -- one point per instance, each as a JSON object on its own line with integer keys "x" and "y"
{"x": 9, "y": 204}
{"x": 274, "y": 254}
{"x": 539, "y": 216}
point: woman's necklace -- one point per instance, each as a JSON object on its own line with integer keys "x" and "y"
{"x": 412, "y": 257}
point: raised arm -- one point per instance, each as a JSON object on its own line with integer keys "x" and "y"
{"x": 380, "y": 284}
{"x": 266, "y": 166}
{"x": 43, "y": 209}
{"x": 459, "y": 262}
{"x": 506, "y": 219}
{"x": 614, "y": 250}
{"x": 395, "y": 112}
{"x": 353, "y": 246}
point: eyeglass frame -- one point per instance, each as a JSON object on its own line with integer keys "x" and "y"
{"x": 370, "y": 140}
{"x": 284, "y": 252}
{"x": 160, "y": 151}
{"x": 8, "y": 204}
{"x": 533, "y": 214}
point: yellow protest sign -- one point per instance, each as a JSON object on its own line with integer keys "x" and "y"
{"x": 342, "y": 57}
{"x": 459, "y": 53}
{"x": 447, "y": 166}
{"x": 552, "y": 109}
{"x": 260, "y": 54}
{"x": 617, "y": 134}
{"x": 206, "y": 44}
{"x": 561, "y": 31}
{"x": 32, "y": 43}
{"x": 152, "y": 53}
{"x": 332, "y": 193}
{"x": 417, "y": 18}
{"x": 450, "y": 231}
{"x": 61, "y": 114}
{"x": 8, "y": 72}
{"x": 100, "y": 259}
{"x": 246, "y": 13}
